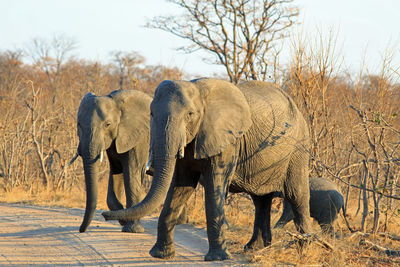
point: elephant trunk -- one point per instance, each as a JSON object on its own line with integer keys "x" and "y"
{"x": 91, "y": 170}
{"x": 164, "y": 159}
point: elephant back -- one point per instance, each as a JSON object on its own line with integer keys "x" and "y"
{"x": 325, "y": 191}
{"x": 322, "y": 184}
{"x": 272, "y": 108}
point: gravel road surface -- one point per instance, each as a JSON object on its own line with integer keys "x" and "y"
{"x": 48, "y": 236}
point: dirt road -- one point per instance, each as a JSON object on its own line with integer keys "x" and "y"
{"x": 35, "y": 235}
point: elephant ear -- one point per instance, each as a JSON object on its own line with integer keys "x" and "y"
{"x": 134, "y": 121}
{"x": 226, "y": 117}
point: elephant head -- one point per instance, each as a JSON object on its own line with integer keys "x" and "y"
{"x": 104, "y": 121}
{"x": 209, "y": 115}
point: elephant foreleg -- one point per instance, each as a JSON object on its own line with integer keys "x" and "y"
{"x": 114, "y": 192}
{"x": 134, "y": 193}
{"x": 262, "y": 222}
{"x": 216, "y": 179}
{"x": 181, "y": 189}
{"x": 133, "y": 176}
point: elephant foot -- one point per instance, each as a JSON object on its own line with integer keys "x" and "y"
{"x": 133, "y": 227}
{"x": 327, "y": 229}
{"x": 256, "y": 244}
{"x": 163, "y": 252}
{"x": 217, "y": 255}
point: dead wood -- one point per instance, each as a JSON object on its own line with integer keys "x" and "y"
{"x": 387, "y": 235}
{"x": 308, "y": 238}
{"x": 389, "y": 252}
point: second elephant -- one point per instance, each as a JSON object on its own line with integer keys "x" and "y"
{"x": 326, "y": 201}
{"x": 118, "y": 124}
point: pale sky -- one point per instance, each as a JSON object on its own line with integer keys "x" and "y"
{"x": 365, "y": 28}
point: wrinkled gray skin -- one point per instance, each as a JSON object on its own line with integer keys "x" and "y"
{"x": 118, "y": 124}
{"x": 326, "y": 201}
{"x": 250, "y": 138}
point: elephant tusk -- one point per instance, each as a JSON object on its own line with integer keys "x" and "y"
{"x": 149, "y": 169}
{"x": 181, "y": 152}
{"x": 149, "y": 162}
{"x": 101, "y": 156}
{"x": 73, "y": 159}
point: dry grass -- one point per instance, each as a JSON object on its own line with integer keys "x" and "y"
{"x": 60, "y": 198}
{"x": 239, "y": 212}
{"x": 347, "y": 249}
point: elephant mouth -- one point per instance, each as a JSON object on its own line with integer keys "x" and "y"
{"x": 150, "y": 166}
{"x": 99, "y": 158}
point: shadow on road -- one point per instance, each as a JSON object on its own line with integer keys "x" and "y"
{"x": 48, "y": 236}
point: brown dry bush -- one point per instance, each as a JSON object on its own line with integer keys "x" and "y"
{"x": 38, "y": 109}
{"x": 353, "y": 122}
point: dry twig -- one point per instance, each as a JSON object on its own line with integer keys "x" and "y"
{"x": 389, "y": 252}
{"x": 311, "y": 238}
{"x": 392, "y": 237}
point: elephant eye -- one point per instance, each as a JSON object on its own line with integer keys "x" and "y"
{"x": 190, "y": 115}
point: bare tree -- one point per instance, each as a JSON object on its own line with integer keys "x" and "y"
{"x": 10, "y": 63}
{"x": 50, "y": 55}
{"x": 127, "y": 64}
{"x": 241, "y": 34}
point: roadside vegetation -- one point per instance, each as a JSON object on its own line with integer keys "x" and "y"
{"x": 354, "y": 122}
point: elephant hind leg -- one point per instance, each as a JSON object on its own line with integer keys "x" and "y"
{"x": 327, "y": 228}
{"x": 297, "y": 191}
{"x": 326, "y": 220}
{"x": 301, "y": 212}
{"x": 287, "y": 215}
{"x": 262, "y": 225}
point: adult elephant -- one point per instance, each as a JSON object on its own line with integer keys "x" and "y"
{"x": 249, "y": 138}
{"x": 119, "y": 124}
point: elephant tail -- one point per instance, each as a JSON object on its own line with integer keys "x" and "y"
{"x": 345, "y": 219}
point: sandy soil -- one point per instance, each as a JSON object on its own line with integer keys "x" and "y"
{"x": 36, "y": 235}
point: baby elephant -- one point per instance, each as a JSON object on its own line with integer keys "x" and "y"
{"x": 325, "y": 203}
